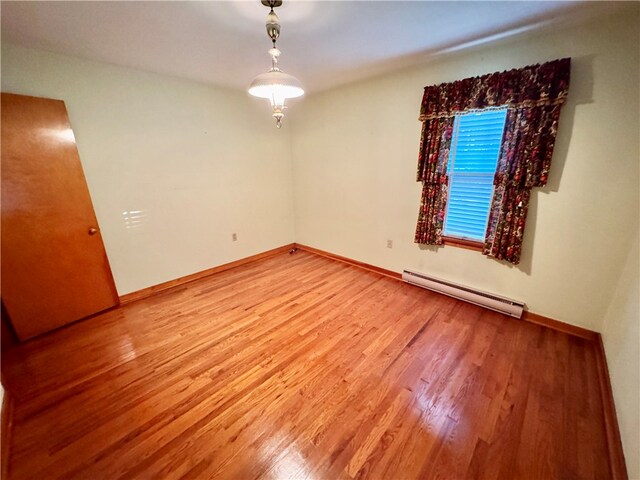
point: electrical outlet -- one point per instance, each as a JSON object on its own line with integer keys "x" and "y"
{"x": 234, "y": 237}
{"x": 389, "y": 243}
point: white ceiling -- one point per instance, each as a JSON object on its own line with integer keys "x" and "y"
{"x": 324, "y": 43}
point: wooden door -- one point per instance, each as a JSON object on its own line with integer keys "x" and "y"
{"x": 54, "y": 265}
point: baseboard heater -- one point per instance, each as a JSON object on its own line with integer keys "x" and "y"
{"x": 471, "y": 295}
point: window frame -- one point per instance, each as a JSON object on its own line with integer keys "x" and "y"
{"x": 463, "y": 243}
{"x": 455, "y": 240}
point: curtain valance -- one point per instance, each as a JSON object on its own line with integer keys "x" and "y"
{"x": 534, "y": 85}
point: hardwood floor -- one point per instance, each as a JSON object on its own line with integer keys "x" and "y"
{"x": 298, "y": 366}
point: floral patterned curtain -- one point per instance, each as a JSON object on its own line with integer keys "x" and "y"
{"x": 432, "y": 172}
{"x": 533, "y": 96}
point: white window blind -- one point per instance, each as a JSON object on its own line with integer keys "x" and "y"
{"x": 475, "y": 146}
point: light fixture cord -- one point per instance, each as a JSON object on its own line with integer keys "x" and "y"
{"x": 273, "y": 39}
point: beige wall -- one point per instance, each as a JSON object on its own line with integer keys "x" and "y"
{"x": 355, "y": 155}
{"x": 621, "y": 337}
{"x": 199, "y": 162}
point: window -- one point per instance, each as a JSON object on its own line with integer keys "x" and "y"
{"x": 465, "y": 120}
{"x": 473, "y": 157}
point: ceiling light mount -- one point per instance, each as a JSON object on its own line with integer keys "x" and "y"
{"x": 275, "y": 85}
{"x": 271, "y": 3}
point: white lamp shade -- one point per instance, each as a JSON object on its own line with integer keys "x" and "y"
{"x": 276, "y": 86}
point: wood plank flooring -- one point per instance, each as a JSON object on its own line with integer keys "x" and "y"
{"x": 298, "y": 366}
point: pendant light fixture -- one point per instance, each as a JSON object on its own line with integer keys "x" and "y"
{"x": 275, "y": 85}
